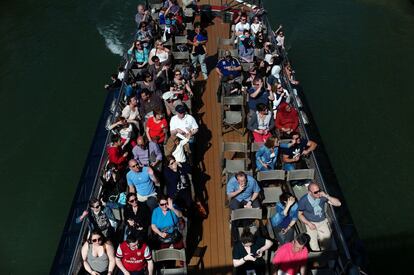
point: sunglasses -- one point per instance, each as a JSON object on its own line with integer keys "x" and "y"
{"x": 163, "y": 204}
{"x": 135, "y": 165}
{"x": 133, "y": 200}
{"x": 96, "y": 240}
{"x": 316, "y": 192}
{"x": 95, "y": 206}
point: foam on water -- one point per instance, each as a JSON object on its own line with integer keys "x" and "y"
{"x": 112, "y": 42}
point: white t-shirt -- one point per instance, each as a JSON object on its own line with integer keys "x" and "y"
{"x": 162, "y": 55}
{"x": 179, "y": 153}
{"x": 255, "y": 27}
{"x": 187, "y": 123}
{"x": 240, "y": 27}
{"x": 128, "y": 113}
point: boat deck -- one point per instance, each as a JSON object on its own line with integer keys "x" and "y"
{"x": 215, "y": 229}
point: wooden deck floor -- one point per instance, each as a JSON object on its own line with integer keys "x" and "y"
{"x": 215, "y": 229}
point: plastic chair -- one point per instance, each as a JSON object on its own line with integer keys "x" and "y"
{"x": 170, "y": 254}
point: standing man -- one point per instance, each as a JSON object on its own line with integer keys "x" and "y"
{"x": 291, "y": 258}
{"x": 243, "y": 191}
{"x": 141, "y": 181}
{"x": 312, "y": 213}
{"x": 198, "y": 40}
{"x": 133, "y": 257}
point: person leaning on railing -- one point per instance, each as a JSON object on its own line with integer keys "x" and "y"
{"x": 301, "y": 147}
{"x": 98, "y": 254}
{"x": 312, "y": 213}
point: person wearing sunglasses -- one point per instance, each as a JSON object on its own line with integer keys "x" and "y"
{"x": 136, "y": 216}
{"x": 312, "y": 213}
{"x": 164, "y": 224}
{"x": 98, "y": 254}
{"x": 100, "y": 217}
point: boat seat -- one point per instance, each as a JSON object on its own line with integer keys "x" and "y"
{"x": 170, "y": 254}
{"x": 271, "y": 194}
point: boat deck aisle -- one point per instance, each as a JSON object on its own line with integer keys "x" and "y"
{"x": 216, "y": 229}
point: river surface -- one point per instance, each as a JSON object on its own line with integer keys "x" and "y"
{"x": 354, "y": 59}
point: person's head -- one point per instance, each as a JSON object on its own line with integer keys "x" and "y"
{"x": 256, "y": 19}
{"x": 96, "y": 237}
{"x": 288, "y": 108}
{"x": 158, "y": 44}
{"x": 180, "y": 109}
{"x": 197, "y": 27}
{"x": 155, "y": 59}
{"x": 116, "y": 140}
{"x": 314, "y": 190}
{"x": 141, "y": 8}
{"x": 241, "y": 178}
{"x": 114, "y": 77}
{"x": 132, "y": 101}
{"x": 171, "y": 162}
{"x": 132, "y": 199}
{"x": 133, "y": 241}
{"x": 142, "y": 142}
{"x": 143, "y": 25}
{"x": 300, "y": 242}
{"x": 295, "y": 137}
{"x": 271, "y": 142}
{"x": 163, "y": 202}
{"x": 227, "y": 55}
{"x": 145, "y": 94}
{"x": 279, "y": 88}
{"x": 95, "y": 204}
{"x": 177, "y": 74}
{"x": 247, "y": 237}
{"x": 134, "y": 166}
{"x": 262, "y": 108}
{"x": 138, "y": 44}
{"x": 158, "y": 113}
{"x": 246, "y": 33}
{"x": 243, "y": 18}
{"x": 147, "y": 77}
{"x": 280, "y": 33}
{"x": 284, "y": 197}
{"x": 257, "y": 81}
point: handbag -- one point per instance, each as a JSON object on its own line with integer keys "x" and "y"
{"x": 173, "y": 237}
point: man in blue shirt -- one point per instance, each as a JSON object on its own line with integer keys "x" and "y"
{"x": 258, "y": 94}
{"x": 243, "y": 191}
{"x": 229, "y": 71}
{"x": 312, "y": 213}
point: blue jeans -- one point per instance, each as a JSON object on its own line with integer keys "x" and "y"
{"x": 201, "y": 58}
{"x": 288, "y": 166}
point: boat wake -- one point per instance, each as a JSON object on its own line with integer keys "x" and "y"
{"x": 112, "y": 42}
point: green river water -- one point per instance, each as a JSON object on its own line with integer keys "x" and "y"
{"x": 354, "y": 59}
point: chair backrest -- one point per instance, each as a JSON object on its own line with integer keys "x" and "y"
{"x": 189, "y": 26}
{"x": 233, "y": 117}
{"x": 233, "y": 100}
{"x": 271, "y": 211}
{"x": 169, "y": 42}
{"x": 247, "y": 66}
{"x": 300, "y": 174}
{"x": 171, "y": 254}
{"x": 235, "y": 165}
{"x": 246, "y": 213}
{"x": 256, "y": 146}
{"x": 181, "y": 55}
{"x": 271, "y": 195}
{"x": 271, "y": 175}
{"x": 224, "y": 41}
{"x": 286, "y": 140}
{"x": 235, "y": 147}
{"x": 180, "y": 39}
{"x": 156, "y": 6}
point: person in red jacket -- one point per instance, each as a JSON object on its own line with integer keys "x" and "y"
{"x": 115, "y": 154}
{"x": 133, "y": 257}
{"x": 287, "y": 119}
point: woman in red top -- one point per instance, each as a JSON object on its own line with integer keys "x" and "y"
{"x": 287, "y": 119}
{"x": 157, "y": 127}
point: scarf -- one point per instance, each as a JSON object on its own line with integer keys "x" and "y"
{"x": 317, "y": 210}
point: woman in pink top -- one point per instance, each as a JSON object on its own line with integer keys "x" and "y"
{"x": 291, "y": 258}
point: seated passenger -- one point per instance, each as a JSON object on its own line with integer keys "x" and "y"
{"x": 157, "y": 128}
{"x": 243, "y": 191}
{"x": 131, "y": 112}
{"x": 143, "y": 15}
{"x": 136, "y": 216}
{"x": 266, "y": 156}
{"x": 287, "y": 119}
{"x": 183, "y": 123}
{"x": 148, "y": 83}
{"x": 115, "y": 154}
{"x": 147, "y": 153}
{"x": 125, "y": 130}
{"x": 159, "y": 73}
{"x": 183, "y": 89}
{"x": 246, "y": 47}
{"x": 228, "y": 66}
{"x": 280, "y": 95}
{"x": 292, "y": 155}
{"x": 312, "y": 213}
{"x": 162, "y": 52}
{"x": 280, "y": 38}
{"x": 148, "y": 103}
{"x": 145, "y": 36}
{"x": 291, "y": 258}
{"x": 177, "y": 178}
{"x": 133, "y": 257}
{"x": 248, "y": 253}
{"x": 100, "y": 218}
{"x": 171, "y": 101}
{"x": 242, "y": 25}
{"x": 164, "y": 224}
{"x": 258, "y": 94}
{"x": 141, "y": 181}
{"x": 139, "y": 55}
{"x": 179, "y": 148}
{"x": 285, "y": 218}
{"x": 98, "y": 254}
{"x": 257, "y": 25}
{"x": 261, "y": 123}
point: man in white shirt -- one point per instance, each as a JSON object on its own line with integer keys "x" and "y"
{"x": 242, "y": 25}
{"x": 183, "y": 123}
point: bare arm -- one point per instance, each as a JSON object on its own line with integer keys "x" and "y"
{"x": 311, "y": 147}
{"x": 121, "y": 266}
{"x": 331, "y": 200}
{"x": 152, "y": 176}
{"x": 111, "y": 255}
{"x": 305, "y": 221}
{"x": 131, "y": 188}
{"x": 85, "y": 258}
{"x": 150, "y": 267}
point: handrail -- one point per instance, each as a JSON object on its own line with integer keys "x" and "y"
{"x": 305, "y": 132}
